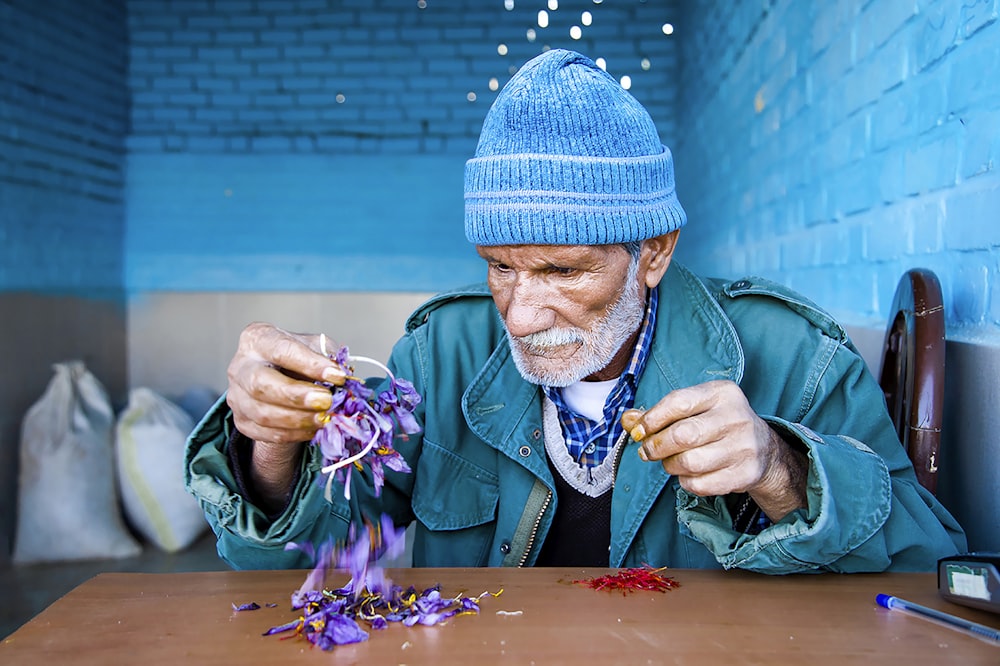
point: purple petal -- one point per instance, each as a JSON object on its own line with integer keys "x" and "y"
{"x": 393, "y": 539}
{"x": 407, "y": 421}
{"x": 316, "y": 579}
{"x": 305, "y": 547}
{"x": 408, "y": 395}
{"x": 378, "y": 475}
{"x": 395, "y": 461}
{"x": 340, "y": 630}
{"x": 284, "y": 627}
{"x": 342, "y": 357}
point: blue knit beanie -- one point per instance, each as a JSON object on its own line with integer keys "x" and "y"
{"x": 568, "y": 157}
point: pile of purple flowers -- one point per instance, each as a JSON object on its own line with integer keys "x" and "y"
{"x": 360, "y": 422}
{"x": 331, "y": 617}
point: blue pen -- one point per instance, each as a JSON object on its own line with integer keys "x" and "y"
{"x": 980, "y": 631}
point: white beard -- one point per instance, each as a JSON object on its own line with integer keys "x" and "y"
{"x": 598, "y": 345}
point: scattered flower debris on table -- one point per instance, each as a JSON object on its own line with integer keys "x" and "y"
{"x": 331, "y": 617}
{"x": 632, "y": 580}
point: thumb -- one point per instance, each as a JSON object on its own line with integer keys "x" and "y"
{"x": 632, "y": 418}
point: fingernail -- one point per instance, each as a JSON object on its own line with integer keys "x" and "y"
{"x": 334, "y": 375}
{"x": 642, "y": 453}
{"x": 319, "y": 400}
{"x": 638, "y": 432}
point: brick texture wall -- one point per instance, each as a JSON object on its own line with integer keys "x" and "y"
{"x": 831, "y": 146}
{"x": 63, "y": 120}
{"x": 340, "y": 77}
{"x": 298, "y": 144}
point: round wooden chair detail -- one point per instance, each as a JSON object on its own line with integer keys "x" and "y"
{"x": 913, "y": 366}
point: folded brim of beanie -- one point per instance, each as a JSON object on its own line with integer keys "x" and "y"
{"x": 543, "y": 199}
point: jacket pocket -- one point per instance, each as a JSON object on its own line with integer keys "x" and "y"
{"x": 451, "y": 493}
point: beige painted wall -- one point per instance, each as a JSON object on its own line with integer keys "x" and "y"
{"x": 179, "y": 341}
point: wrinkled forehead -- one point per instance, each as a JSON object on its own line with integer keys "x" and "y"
{"x": 553, "y": 255}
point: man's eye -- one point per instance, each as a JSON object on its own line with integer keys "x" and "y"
{"x": 563, "y": 270}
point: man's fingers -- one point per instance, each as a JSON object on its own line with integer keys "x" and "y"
{"x": 273, "y": 423}
{"x": 676, "y": 405}
{"x": 684, "y": 435}
{"x": 296, "y": 354}
{"x": 271, "y": 386}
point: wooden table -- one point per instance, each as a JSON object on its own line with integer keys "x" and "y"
{"x": 541, "y": 617}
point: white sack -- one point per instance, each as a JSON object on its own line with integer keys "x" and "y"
{"x": 67, "y": 499}
{"x": 150, "y": 453}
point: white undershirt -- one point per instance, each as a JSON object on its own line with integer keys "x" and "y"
{"x": 588, "y": 398}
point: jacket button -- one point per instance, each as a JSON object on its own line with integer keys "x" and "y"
{"x": 524, "y": 451}
{"x": 505, "y": 548}
{"x": 537, "y": 434}
{"x": 740, "y": 284}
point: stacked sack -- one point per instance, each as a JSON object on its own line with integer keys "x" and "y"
{"x": 75, "y": 461}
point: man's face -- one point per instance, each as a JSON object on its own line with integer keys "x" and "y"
{"x": 569, "y": 310}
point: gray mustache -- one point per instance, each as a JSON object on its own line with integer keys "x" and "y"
{"x": 553, "y": 337}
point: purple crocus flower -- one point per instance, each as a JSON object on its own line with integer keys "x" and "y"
{"x": 359, "y": 422}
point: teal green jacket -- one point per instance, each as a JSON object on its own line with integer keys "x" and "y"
{"x": 481, "y": 492}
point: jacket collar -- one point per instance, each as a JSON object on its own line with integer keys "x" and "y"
{"x": 694, "y": 343}
{"x": 500, "y": 389}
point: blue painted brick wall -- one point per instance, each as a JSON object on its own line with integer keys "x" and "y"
{"x": 831, "y": 146}
{"x": 207, "y": 76}
{"x": 282, "y": 145}
{"x": 63, "y": 120}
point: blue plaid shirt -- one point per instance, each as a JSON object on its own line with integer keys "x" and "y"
{"x": 589, "y": 442}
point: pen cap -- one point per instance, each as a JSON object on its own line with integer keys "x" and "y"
{"x": 884, "y": 600}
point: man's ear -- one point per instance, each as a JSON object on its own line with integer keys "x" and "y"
{"x": 657, "y": 253}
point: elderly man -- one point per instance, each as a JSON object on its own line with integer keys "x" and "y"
{"x": 597, "y": 404}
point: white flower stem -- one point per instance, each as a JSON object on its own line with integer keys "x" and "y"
{"x": 331, "y": 469}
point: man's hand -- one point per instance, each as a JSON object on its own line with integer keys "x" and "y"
{"x": 713, "y": 442}
{"x": 275, "y": 401}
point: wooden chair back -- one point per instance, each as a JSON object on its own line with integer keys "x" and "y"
{"x": 912, "y": 373}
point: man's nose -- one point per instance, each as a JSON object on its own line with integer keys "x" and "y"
{"x": 526, "y": 314}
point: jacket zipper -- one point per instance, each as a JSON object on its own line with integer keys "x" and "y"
{"x": 620, "y": 445}
{"x": 534, "y": 529}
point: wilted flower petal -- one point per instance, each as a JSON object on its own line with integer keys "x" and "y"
{"x": 339, "y": 630}
{"x": 394, "y": 461}
{"x": 281, "y": 628}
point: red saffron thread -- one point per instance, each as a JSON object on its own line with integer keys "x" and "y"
{"x": 632, "y": 580}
